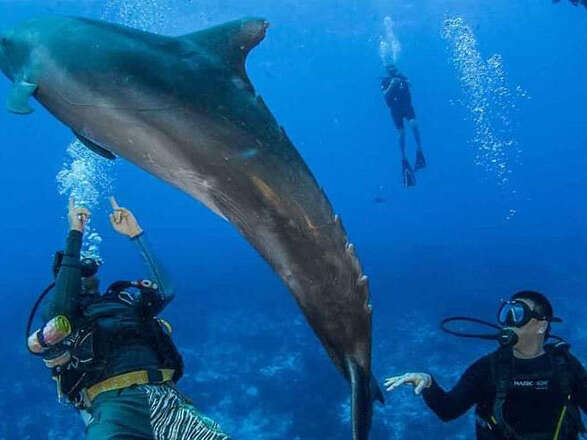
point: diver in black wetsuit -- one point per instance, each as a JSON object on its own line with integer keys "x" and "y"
{"x": 110, "y": 354}
{"x": 524, "y": 391}
{"x": 396, "y": 90}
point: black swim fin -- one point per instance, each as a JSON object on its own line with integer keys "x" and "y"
{"x": 420, "y": 161}
{"x": 408, "y": 174}
{"x": 95, "y": 148}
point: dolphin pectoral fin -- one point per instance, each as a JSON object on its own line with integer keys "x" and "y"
{"x": 230, "y": 41}
{"x": 364, "y": 390}
{"x": 18, "y": 97}
{"x": 95, "y": 148}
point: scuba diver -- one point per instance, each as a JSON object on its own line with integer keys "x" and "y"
{"x": 111, "y": 356}
{"x": 526, "y": 390}
{"x": 396, "y": 91}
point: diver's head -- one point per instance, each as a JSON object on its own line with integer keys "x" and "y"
{"x": 528, "y": 314}
{"x": 89, "y": 268}
{"x": 90, "y": 286}
{"x": 391, "y": 70}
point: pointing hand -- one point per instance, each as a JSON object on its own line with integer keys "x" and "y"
{"x": 123, "y": 221}
{"x": 78, "y": 217}
{"x": 418, "y": 380}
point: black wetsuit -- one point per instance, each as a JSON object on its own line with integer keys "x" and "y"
{"x": 533, "y": 406}
{"x": 396, "y": 90}
{"x": 116, "y": 334}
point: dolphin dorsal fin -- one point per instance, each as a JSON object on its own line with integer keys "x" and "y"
{"x": 230, "y": 41}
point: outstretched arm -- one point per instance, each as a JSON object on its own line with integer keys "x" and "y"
{"x": 62, "y": 307}
{"x": 454, "y": 403}
{"x": 448, "y": 405}
{"x": 157, "y": 273}
{"x": 125, "y": 223}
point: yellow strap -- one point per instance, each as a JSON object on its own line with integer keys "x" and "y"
{"x": 559, "y": 424}
{"x": 166, "y": 324}
{"x": 126, "y": 380}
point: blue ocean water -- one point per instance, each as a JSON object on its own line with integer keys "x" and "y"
{"x": 499, "y": 90}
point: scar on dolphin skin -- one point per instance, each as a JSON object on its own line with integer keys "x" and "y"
{"x": 274, "y": 198}
{"x": 265, "y": 190}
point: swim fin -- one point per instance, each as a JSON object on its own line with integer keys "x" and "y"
{"x": 408, "y": 174}
{"x": 420, "y": 161}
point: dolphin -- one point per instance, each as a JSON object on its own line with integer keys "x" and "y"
{"x": 183, "y": 109}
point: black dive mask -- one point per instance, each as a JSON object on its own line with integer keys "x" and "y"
{"x": 516, "y": 313}
{"x": 512, "y": 314}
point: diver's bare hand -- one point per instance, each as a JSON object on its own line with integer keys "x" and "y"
{"x": 418, "y": 380}
{"x": 78, "y": 217}
{"x": 123, "y": 221}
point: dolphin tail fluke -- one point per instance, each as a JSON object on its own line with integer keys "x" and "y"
{"x": 231, "y": 41}
{"x": 365, "y": 390}
{"x": 376, "y": 393}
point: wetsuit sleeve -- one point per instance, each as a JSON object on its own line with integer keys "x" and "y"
{"x": 65, "y": 299}
{"x": 164, "y": 289}
{"x": 467, "y": 392}
{"x": 579, "y": 382}
{"x": 62, "y": 307}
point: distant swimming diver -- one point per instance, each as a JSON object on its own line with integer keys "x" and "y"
{"x": 110, "y": 355}
{"x": 183, "y": 109}
{"x": 526, "y": 390}
{"x": 396, "y": 91}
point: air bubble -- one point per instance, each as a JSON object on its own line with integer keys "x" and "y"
{"x": 85, "y": 177}
{"x": 489, "y": 100}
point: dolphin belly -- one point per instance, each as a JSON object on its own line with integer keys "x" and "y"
{"x": 184, "y": 110}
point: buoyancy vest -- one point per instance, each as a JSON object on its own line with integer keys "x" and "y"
{"x": 89, "y": 350}
{"x": 569, "y": 425}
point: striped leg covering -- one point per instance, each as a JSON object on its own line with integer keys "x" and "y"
{"x": 173, "y": 417}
